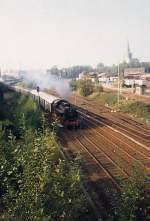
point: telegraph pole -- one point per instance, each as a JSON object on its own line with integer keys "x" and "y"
{"x": 118, "y": 83}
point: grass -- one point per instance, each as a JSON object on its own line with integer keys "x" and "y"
{"x": 109, "y": 98}
{"x": 137, "y": 109}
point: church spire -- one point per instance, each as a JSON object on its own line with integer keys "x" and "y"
{"x": 129, "y": 54}
{"x": 128, "y": 47}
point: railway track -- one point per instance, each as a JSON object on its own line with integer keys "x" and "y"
{"x": 133, "y": 135}
{"x": 102, "y": 122}
{"x": 111, "y": 145}
{"x": 119, "y": 147}
{"x": 121, "y": 125}
{"x": 100, "y": 181}
{"x": 133, "y": 122}
{"x": 118, "y": 121}
{"x": 145, "y": 132}
{"x": 104, "y": 167}
{"x": 69, "y": 155}
{"x": 103, "y": 161}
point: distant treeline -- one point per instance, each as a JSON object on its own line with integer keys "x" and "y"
{"x": 74, "y": 71}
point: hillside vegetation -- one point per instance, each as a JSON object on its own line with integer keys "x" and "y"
{"x": 36, "y": 183}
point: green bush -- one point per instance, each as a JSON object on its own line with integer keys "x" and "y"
{"x": 36, "y": 183}
{"x": 16, "y": 107}
{"x": 138, "y": 109}
{"x": 131, "y": 200}
{"x": 74, "y": 84}
{"x": 86, "y": 87}
{"x": 106, "y": 98}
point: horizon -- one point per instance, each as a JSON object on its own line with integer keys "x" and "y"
{"x": 39, "y": 34}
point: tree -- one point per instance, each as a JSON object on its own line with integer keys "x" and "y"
{"x": 130, "y": 201}
{"x": 86, "y": 87}
{"x": 73, "y": 84}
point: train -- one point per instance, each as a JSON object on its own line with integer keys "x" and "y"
{"x": 61, "y": 110}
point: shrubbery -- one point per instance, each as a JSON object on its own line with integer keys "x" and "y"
{"x": 36, "y": 183}
{"x": 106, "y": 98}
{"x": 131, "y": 201}
{"x": 73, "y": 84}
{"x": 139, "y": 109}
{"x": 85, "y": 87}
{"x": 136, "y": 108}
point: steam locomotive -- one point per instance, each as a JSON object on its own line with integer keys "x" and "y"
{"x": 67, "y": 114}
{"x": 60, "y": 109}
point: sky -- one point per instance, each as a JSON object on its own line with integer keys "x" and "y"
{"x": 43, "y": 33}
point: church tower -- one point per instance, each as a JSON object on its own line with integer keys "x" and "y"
{"x": 128, "y": 53}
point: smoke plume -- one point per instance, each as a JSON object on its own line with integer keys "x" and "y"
{"x": 47, "y": 81}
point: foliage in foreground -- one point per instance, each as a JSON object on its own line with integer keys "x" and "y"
{"x": 131, "y": 201}
{"x": 36, "y": 184}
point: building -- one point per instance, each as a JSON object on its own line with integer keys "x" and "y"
{"x": 134, "y": 72}
{"x": 88, "y": 76}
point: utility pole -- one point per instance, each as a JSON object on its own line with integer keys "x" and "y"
{"x": 118, "y": 83}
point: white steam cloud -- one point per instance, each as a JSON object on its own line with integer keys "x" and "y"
{"x": 47, "y": 81}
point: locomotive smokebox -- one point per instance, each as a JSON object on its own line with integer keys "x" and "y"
{"x": 67, "y": 113}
